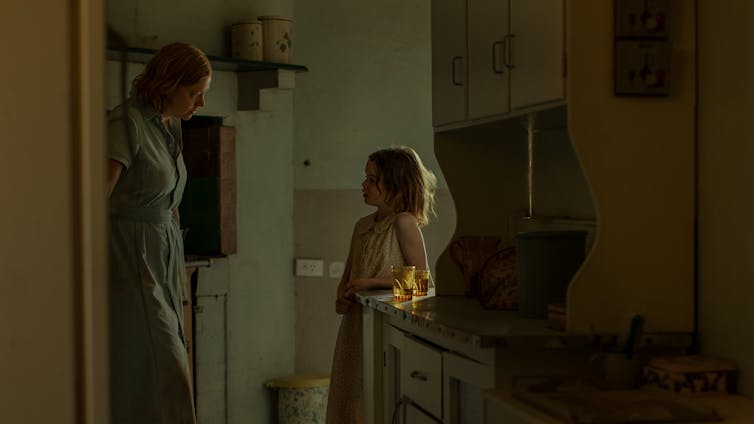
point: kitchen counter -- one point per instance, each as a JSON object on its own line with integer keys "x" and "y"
{"x": 463, "y": 319}
{"x": 459, "y": 341}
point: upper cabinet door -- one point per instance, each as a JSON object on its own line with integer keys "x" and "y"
{"x": 488, "y": 76}
{"x": 537, "y": 49}
{"x": 448, "y": 61}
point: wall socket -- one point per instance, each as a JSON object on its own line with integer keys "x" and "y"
{"x": 309, "y": 268}
{"x": 335, "y": 270}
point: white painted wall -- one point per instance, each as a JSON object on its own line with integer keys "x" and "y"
{"x": 368, "y": 87}
{"x": 726, "y": 154}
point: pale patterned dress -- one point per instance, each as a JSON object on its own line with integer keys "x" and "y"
{"x": 375, "y": 249}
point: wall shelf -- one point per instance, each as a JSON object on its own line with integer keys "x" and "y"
{"x": 219, "y": 63}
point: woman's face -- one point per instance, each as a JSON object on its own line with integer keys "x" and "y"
{"x": 372, "y": 189}
{"x": 184, "y": 100}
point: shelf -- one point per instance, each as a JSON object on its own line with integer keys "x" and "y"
{"x": 219, "y": 63}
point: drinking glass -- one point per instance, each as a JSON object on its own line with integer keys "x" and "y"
{"x": 403, "y": 282}
{"x": 421, "y": 282}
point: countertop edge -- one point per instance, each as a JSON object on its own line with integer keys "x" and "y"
{"x": 542, "y": 336}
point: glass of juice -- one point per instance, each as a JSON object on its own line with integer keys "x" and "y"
{"x": 421, "y": 282}
{"x": 403, "y": 282}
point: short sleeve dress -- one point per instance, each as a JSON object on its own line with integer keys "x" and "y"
{"x": 149, "y": 373}
{"x": 376, "y": 249}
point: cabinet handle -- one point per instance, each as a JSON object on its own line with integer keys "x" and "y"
{"x": 418, "y": 376}
{"x": 498, "y": 52}
{"x": 457, "y": 66}
{"x": 509, "y": 50}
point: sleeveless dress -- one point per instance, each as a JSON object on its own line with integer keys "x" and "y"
{"x": 149, "y": 374}
{"x": 376, "y": 249}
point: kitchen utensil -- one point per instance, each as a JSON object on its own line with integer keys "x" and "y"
{"x": 637, "y": 322}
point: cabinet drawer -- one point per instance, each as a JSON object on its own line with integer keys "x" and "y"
{"x": 421, "y": 375}
{"x": 416, "y": 416}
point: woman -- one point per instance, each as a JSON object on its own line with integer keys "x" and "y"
{"x": 150, "y": 380}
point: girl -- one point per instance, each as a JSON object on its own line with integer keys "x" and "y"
{"x": 402, "y": 189}
{"x": 149, "y": 374}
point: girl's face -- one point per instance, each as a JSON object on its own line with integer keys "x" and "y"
{"x": 186, "y": 99}
{"x": 372, "y": 189}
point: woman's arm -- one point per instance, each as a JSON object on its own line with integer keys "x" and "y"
{"x": 114, "y": 169}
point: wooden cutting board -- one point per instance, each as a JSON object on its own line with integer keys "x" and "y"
{"x": 618, "y": 406}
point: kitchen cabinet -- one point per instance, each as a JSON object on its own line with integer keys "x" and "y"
{"x": 411, "y": 378}
{"x": 494, "y": 57}
{"x": 440, "y": 355}
{"x": 464, "y": 382}
{"x": 209, "y": 298}
{"x": 421, "y": 374}
{"x": 415, "y": 415}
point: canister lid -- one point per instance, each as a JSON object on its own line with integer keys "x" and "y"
{"x": 299, "y": 381}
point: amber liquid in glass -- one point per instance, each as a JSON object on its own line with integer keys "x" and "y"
{"x": 403, "y": 282}
{"x": 421, "y": 282}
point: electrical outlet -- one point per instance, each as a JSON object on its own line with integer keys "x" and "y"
{"x": 309, "y": 267}
{"x": 335, "y": 270}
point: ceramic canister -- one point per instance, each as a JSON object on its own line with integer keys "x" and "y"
{"x": 277, "y": 38}
{"x": 247, "y": 40}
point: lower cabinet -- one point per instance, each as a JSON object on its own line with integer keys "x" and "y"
{"x": 414, "y": 415}
{"x": 421, "y": 375}
{"x": 464, "y": 383}
{"x": 426, "y": 383}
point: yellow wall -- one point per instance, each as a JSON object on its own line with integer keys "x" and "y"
{"x": 638, "y": 156}
{"x": 52, "y": 219}
{"x": 726, "y": 174}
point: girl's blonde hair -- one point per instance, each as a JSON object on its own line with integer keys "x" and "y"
{"x": 410, "y": 186}
{"x": 175, "y": 65}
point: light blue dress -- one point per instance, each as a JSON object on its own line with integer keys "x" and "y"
{"x": 149, "y": 365}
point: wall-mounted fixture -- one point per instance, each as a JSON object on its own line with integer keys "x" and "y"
{"x": 642, "y": 50}
{"x": 642, "y": 18}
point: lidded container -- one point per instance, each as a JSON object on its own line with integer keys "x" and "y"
{"x": 547, "y": 260}
{"x": 302, "y": 398}
{"x": 246, "y": 38}
{"x": 278, "y": 38}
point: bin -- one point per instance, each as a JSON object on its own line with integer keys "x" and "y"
{"x": 302, "y": 398}
{"x": 547, "y": 260}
